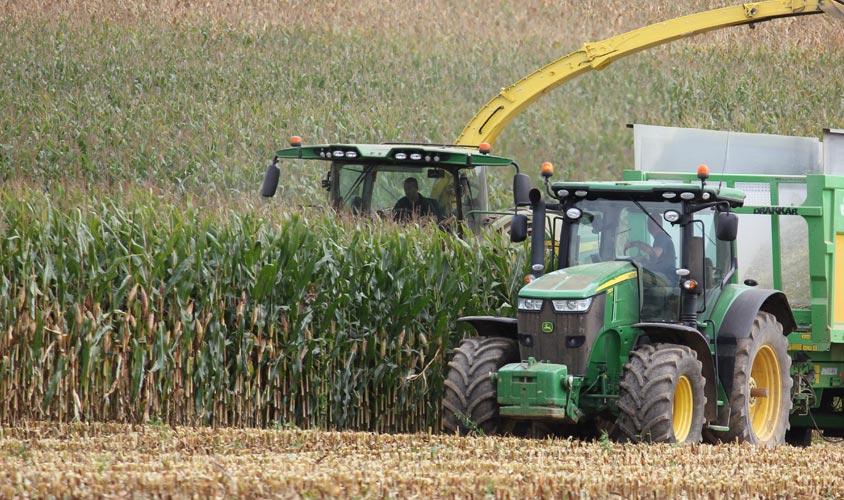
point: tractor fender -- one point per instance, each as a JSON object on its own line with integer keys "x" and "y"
{"x": 739, "y": 317}
{"x": 669, "y": 333}
{"x": 493, "y": 326}
{"x": 738, "y": 321}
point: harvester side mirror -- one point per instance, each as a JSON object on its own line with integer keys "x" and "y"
{"x": 270, "y": 184}
{"x": 518, "y": 228}
{"x": 726, "y": 226}
{"x": 521, "y": 188}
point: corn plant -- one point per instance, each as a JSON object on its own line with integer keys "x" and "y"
{"x": 143, "y": 312}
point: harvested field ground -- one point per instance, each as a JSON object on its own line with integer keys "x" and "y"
{"x": 115, "y": 461}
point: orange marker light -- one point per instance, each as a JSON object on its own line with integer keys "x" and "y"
{"x": 690, "y": 285}
{"x": 484, "y": 148}
{"x": 295, "y": 141}
{"x": 547, "y": 169}
{"x": 702, "y": 172}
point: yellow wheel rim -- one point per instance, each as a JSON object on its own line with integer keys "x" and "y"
{"x": 684, "y": 407}
{"x": 765, "y": 393}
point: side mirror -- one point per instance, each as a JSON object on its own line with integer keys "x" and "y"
{"x": 270, "y": 184}
{"x": 534, "y": 196}
{"x": 726, "y": 226}
{"x": 521, "y": 188}
{"x": 518, "y": 228}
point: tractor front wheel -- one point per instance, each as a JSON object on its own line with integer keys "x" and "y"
{"x": 760, "y": 399}
{"x": 662, "y": 397}
{"x": 470, "y": 404}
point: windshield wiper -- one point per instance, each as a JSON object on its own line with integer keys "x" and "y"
{"x": 651, "y": 217}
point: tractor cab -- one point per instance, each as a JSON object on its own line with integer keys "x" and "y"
{"x": 676, "y": 238}
{"x": 368, "y": 180}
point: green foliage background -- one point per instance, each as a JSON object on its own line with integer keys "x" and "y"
{"x": 140, "y": 276}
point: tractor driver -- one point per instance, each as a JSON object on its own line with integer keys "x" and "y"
{"x": 660, "y": 255}
{"x": 413, "y": 204}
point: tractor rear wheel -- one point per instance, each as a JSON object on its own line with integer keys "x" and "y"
{"x": 662, "y": 397}
{"x": 470, "y": 404}
{"x": 760, "y": 401}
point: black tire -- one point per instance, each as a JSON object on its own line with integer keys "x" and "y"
{"x": 799, "y": 436}
{"x": 470, "y": 403}
{"x": 662, "y": 398}
{"x": 762, "y": 362}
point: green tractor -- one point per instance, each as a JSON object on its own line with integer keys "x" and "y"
{"x": 643, "y": 330}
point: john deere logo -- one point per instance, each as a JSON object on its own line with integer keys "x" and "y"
{"x": 547, "y": 327}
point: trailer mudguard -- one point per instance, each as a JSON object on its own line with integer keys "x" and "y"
{"x": 656, "y": 333}
{"x": 737, "y": 322}
{"x": 493, "y": 326}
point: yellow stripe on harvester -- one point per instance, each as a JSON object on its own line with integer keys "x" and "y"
{"x": 624, "y": 277}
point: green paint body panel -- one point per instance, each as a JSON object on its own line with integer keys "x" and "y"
{"x": 576, "y": 282}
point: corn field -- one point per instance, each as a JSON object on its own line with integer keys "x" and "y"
{"x": 159, "y": 313}
{"x": 125, "y": 461}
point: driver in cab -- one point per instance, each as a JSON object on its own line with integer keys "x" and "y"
{"x": 413, "y": 205}
{"x": 660, "y": 256}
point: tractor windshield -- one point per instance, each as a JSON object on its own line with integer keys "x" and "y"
{"x": 610, "y": 230}
{"x": 378, "y": 189}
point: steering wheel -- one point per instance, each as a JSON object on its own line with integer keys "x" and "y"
{"x": 639, "y": 253}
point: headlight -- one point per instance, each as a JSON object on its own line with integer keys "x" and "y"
{"x": 575, "y": 305}
{"x": 671, "y": 216}
{"x": 530, "y": 304}
{"x": 573, "y": 213}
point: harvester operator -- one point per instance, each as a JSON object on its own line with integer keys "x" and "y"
{"x": 413, "y": 205}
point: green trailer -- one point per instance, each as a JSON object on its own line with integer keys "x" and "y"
{"x": 652, "y": 325}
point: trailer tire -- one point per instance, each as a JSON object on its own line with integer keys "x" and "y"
{"x": 662, "y": 398}
{"x": 761, "y": 362}
{"x": 470, "y": 402}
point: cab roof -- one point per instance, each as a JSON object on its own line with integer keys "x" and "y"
{"x": 418, "y": 155}
{"x": 649, "y": 191}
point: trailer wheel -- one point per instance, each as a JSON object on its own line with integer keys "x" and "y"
{"x": 470, "y": 404}
{"x": 761, "y": 395}
{"x": 662, "y": 397}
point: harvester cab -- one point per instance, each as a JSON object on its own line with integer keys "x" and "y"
{"x": 368, "y": 179}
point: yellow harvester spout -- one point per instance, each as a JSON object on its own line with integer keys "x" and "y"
{"x": 491, "y": 120}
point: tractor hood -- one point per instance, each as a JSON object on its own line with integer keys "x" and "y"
{"x": 579, "y": 282}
